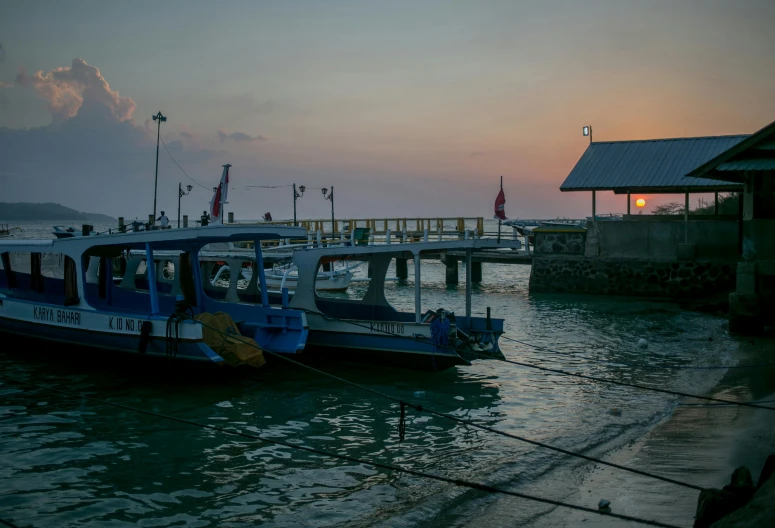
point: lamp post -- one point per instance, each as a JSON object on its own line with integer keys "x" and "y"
{"x": 295, "y": 196}
{"x": 587, "y": 131}
{"x": 161, "y": 119}
{"x": 181, "y": 194}
{"x": 330, "y": 197}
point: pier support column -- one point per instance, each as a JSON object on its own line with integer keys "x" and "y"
{"x": 451, "y": 265}
{"x": 476, "y": 272}
{"x": 402, "y": 268}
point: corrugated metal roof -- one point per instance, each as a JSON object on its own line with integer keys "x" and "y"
{"x": 769, "y": 145}
{"x": 658, "y": 165}
{"x": 748, "y": 164}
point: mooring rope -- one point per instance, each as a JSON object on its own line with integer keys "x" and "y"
{"x": 8, "y": 523}
{"x": 420, "y": 408}
{"x": 557, "y": 371}
{"x": 381, "y": 465}
{"x": 633, "y": 365}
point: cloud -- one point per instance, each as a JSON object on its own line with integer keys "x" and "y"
{"x": 238, "y": 136}
{"x": 187, "y": 135}
{"x": 2, "y": 53}
{"x": 68, "y": 88}
{"x": 474, "y": 154}
{"x": 6, "y": 84}
{"x": 93, "y": 156}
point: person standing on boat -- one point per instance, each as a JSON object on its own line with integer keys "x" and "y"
{"x": 205, "y": 218}
{"x": 164, "y": 222}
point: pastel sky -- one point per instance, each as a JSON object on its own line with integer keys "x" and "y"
{"x": 409, "y": 108}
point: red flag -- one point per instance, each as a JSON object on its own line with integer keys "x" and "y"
{"x": 219, "y": 198}
{"x": 500, "y": 206}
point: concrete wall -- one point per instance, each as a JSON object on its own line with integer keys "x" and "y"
{"x": 759, "y": 239}
{"x": 712, "y": 239}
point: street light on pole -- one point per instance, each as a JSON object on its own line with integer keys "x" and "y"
{"x": 330, "y": 197}
{"x": 181, "y": 194}
{"x": 161, "y": 119}
{"x": 295, "y": 196}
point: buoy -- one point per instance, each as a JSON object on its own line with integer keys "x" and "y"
{"x": 604, "y": 505}
{"x": 642, "y": 343}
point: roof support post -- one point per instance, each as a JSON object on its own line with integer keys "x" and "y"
{"x": 594, "y": 207}
{"x": 151, "y": 272}
{"x": 417, "y": 296}
{"x": 686, "y": 219}
{"x": 468, "y": 282}
{"x": 628, "y": 202}
{"x": 259, "y": 269}
{"x": 715, "y": 209}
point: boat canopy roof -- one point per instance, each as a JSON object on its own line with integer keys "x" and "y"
{"x": 163, "y": 239}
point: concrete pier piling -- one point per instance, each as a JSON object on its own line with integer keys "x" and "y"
{"x": 452, "y": 270}
{"x": 402, "y": 268}
{"x": 476, "y": 272}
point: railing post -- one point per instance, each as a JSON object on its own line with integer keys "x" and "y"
{"x": 387, "y": 237}
{"x": 425, "y": 235}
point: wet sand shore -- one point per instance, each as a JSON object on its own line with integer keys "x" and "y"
{"x": 700, "y": 443}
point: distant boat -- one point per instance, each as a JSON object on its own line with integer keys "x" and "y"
{"x": 6, "y": 231}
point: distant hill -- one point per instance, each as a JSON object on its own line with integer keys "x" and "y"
{"x": 47, "y": 211}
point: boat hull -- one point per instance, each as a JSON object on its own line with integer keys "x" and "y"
{"x": 109, "y": 331}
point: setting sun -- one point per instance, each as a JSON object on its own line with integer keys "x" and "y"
{"x": 640, "y": 202}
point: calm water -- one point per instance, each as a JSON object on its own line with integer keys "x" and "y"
{"x": 68, "y": 462}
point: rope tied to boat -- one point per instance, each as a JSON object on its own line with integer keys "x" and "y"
{"x": 183, "y": 312}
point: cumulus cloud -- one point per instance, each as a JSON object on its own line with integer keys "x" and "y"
{"x": 187, "y": 135}
{"x": 6, "y": 84}
{"x": 68, "y": 88}
{"x": 239, "y": 137}
{"x": 93, "y": 156}
{"x": 2, "y": 53}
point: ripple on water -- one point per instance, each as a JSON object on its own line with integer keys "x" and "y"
{"x": 72, "y": 463}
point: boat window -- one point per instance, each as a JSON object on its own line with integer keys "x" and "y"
{"x": 39, "y": 276}
{"x": 227, "y": 271}
{"x": 168, "y": 270}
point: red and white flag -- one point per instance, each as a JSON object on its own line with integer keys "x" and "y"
{"x": 500, "y": 206}
{"x": 219, "y": 198}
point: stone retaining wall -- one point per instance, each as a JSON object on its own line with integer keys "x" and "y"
{"x": 571, "y": 243}
{"x": 675, "y": 279}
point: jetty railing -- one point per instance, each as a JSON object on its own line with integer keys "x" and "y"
{"x": 380, "y": 226}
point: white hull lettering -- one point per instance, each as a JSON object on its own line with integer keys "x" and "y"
{"x": 386, "y": 328}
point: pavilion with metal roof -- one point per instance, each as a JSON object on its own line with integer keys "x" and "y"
{"x": 656, "y": 166}
{"x": 755, "y": 154}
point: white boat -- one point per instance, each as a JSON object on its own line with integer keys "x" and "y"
{"x": 370, "y": 330}
{"x": 337, "y": 280}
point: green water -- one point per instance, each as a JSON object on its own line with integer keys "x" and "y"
{"x": 69, "y": 462}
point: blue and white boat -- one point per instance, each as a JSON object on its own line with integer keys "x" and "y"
{"x": 66, "y": 290}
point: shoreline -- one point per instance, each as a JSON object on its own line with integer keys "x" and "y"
{"x": 699, "y": 443}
